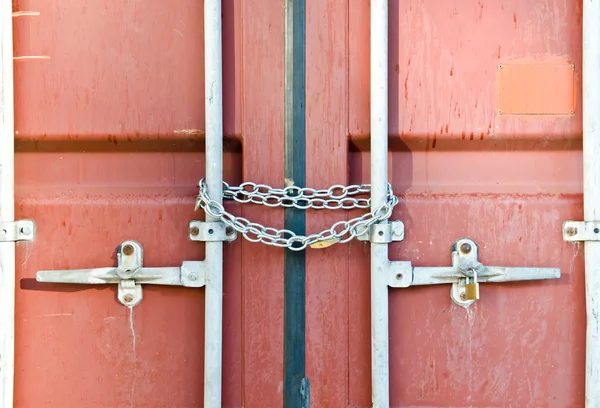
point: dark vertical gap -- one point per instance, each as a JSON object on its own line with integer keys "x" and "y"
{"x": 295, "y": 384}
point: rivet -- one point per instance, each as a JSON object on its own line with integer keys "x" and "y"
{"x": 194, "y": 231}
{"x": 128, "y": 249}
{"x": 193, "y": 277}
{"x": 571, "y": 231}
{"x": 465, "y": 248}
{"x": 128, "y": 297}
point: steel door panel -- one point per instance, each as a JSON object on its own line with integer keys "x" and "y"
{"x": 109, "y": 145}
{"x": 520, "y": 345}
{"x": 465, "y": 171}
{"x": 109, "y": 141}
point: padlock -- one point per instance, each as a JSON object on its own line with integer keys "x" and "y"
{"x": 472, "y": 289}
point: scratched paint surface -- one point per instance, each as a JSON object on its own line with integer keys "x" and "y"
{"x": 109, "y": 141}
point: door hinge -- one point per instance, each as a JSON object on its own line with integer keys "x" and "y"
{"x": 21, "y": 230}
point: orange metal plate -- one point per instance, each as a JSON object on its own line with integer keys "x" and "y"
{"x": 538, "y": 88}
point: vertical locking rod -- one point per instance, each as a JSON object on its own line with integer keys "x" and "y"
{"x": 379, "y": 181}
{"x": 213, "y": 73}
{"x": 591, "y": 194}
{"x": 295, "y": 384}
{"x": 7, "y": 208}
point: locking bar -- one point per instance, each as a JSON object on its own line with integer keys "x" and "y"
{"x": 383, "y": 233}
{"x": 21, "y": 230}
{"x": 580, "y": 231}
{"x": 130, "y": 274}
{"x": 465, "y": 264}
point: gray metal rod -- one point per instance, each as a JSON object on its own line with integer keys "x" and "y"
{"x": 213, "y": 72}
{"x": 591, "y": 194}
{"x": 379, "y": 181}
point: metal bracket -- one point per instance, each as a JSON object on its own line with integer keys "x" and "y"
{"x": 383, "y": 233}
{"x": 21, "y": 230}
{"x": 464, "y": 259}
{"x": 130, "y": 274}
{"x": 211, "y": 232}
{"x": 577, "y": 231}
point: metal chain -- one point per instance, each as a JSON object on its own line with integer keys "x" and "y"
{"x": 333, "y": 198}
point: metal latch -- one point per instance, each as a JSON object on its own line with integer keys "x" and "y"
{"x": 465, "y": 270}
{"x": 130, "y": 274}
{"x": 21, "y": 230}
{"x": 384, "y": 232}
{"x": 205, "y": 231}
{"x": 578, "y": 231}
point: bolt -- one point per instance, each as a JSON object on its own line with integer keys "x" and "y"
{"x": 194, "y": 231}
{"x": 128, "y": 297}
{"x": 398, "y": 231}
{"x": 463, "y": 296}
{"x": 193, "y": 277}
{"x": 228, "y": 230}
{"x": 571, "y": 231}
{"x": 128, "y": 249}
{"x": 26, "y": 230}
{"x": 465, "y": 248}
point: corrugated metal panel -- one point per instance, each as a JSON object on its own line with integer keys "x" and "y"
{"x": 109, "y": 140}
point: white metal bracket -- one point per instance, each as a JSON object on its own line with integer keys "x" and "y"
{"x": 205, "y": 231}
{"x": 130, "y": 274}
{"x": 578, "y": 231}
{"x": 21, "y": 230}
{"x": 384, "y": 232}
{"x": 464, "y": 262}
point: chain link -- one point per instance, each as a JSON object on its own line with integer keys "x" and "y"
{"x": 334, "y": 198}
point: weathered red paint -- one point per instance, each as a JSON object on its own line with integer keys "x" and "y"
{"x": 110, "y": 147}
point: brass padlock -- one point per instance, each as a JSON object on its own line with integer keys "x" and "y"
{"x": 472, "y": 289}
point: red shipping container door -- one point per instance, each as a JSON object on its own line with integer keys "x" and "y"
{"x": 485, "y": 143}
